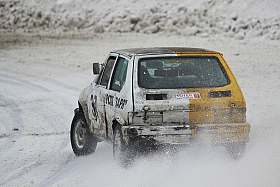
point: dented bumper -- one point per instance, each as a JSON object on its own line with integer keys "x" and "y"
{"x": 186, "y": 134}
{"x": 171, "y": 134}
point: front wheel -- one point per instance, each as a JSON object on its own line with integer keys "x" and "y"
{"x": 82, "y": 141}
{"x": 123, "y": 153}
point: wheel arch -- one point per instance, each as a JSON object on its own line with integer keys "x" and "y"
{"x": 83, "y": 105}
{"x": 84, "y": 109}
{"x": 114, "y": 124}
{"x": 118, "y": 120}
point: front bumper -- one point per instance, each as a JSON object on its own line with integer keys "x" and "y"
{"x": 186, "y": 134}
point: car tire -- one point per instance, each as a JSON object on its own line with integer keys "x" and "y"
{"x": 236, "y": 149}
{"x": 82, "y": 141}
{"x": 123, "y": 153}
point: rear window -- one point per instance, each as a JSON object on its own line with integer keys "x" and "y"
{"x": 181, "y": 72}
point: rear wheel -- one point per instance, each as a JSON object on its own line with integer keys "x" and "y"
{"x": 236, "y": 149}
{"x": 82, "y": 141}
{"x": 123, "y": 153}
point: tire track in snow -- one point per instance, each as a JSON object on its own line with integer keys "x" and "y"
{"x": 35, "y": 108}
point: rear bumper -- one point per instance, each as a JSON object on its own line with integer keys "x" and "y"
{"x": 221, "y": 133}
{"x": 172, "y": 134}
{"x": 186, "y": 134}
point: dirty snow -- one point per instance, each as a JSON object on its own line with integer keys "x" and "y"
{"x": 232, "y": 18}
{"x": 44, "y": 68}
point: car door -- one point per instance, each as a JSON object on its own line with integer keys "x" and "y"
{"x": 118, "y": 99}
{"x": 98, "y": 98}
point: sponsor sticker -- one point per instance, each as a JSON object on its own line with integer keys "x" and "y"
{"x": 188, "y": 96}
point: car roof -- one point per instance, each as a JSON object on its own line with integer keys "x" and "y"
{"x": 162, "y": 50}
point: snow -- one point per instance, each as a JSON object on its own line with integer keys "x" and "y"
{"x": 43, "y": 72}
{"x": 232, "y": 18}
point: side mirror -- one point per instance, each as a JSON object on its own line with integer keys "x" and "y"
{"x": 96, "y": 68}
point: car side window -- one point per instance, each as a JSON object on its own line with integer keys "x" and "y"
{"x": 107, "y": 71}
{"x": 119, "y": 74}
{"x": 98, "y": 80}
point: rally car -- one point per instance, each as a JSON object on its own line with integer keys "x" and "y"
{"x": 143, "y": 97}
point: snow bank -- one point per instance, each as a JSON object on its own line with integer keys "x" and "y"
{"x": 232, "y": 18}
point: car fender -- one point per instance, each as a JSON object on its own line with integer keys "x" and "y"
{"x": 83, "y": 104}
{"x": 120, "y": 120}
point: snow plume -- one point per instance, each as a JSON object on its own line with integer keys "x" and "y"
{"x": 233, "y": 18}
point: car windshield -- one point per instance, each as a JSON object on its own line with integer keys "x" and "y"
{"x": 181, "y": 72}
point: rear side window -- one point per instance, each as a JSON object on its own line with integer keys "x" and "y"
{"x": 181, "y": 72}
{"x": 119, "y": 75}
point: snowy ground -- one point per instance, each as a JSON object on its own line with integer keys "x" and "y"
{"x": 46, "y": 54}
{"x": 41, "y": 78}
